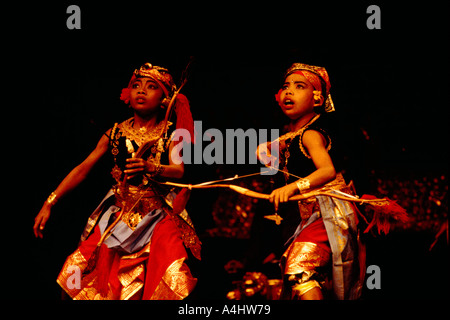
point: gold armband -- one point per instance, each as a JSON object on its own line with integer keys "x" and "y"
{"x": 158, "y": 170}
{"x": 51, "y": 200}
{"x": 302, "y": 185}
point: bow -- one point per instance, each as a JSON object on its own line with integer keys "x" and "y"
{"x": 139, "y": 153}
{"x": 258, "y": 195}
{"x": 383, "y": 209}
{"x": 142, "y": 149}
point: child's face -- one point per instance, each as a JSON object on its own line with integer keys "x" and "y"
{"x": 146, "y": 96}
{"x": 296, "y": 98}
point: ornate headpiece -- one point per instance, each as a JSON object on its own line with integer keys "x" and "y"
{"x": 318, "y": 77}
{"x": 165, "y": 81}
{"x": 159, "y": 74}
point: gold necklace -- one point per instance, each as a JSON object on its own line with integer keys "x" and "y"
{"x": 141, "y": 135}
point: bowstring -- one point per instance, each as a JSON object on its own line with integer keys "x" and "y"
{"x": 235, "y": 177}
{"x": 285, "y": 172}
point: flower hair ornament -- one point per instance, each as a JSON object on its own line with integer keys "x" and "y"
{"x": 317, "y": 95}
{"x": 171, "y": 94}
{"x": 318, "y": 77}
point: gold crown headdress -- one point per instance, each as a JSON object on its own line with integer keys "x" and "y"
{"x": 160, "y": 75}
{"x": 322, "y": 74}
{"x": 172, "y": 96}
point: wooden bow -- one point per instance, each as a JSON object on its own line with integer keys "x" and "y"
{"x": 384, "y": 210}
{"x": 168, "y": 114}
{"x": 139, "y": 153}
{"x": 258, "y": 195}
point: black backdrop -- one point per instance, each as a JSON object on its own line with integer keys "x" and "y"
{"x": 65, "y": 86}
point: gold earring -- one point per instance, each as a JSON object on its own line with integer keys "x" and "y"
{"x": 317, "y": 96}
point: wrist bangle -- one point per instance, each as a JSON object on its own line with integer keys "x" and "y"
{"x": 51, "y": 200}
{"x": 158, "y": 170}
{"x": 302, "y": 185}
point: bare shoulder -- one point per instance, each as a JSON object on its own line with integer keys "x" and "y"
{"x": 103, "y": 143}
{"x": 313, "y": 138}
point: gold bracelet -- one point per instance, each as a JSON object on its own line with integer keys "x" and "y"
{"x": 158, "y": 170}
{"x": 302, "y": 185}
{"x": 51, "y": 200}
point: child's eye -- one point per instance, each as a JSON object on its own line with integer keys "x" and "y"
{"x": 299, "y": 86}
{"x": 135, "y": 85}
{"x": 284, "y": 87}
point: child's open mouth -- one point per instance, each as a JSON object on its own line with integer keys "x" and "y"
{"x": 288, "y": 103}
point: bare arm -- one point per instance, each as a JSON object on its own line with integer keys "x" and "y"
{"x": 70, "y": 182}
{"x": 325, "y": 171}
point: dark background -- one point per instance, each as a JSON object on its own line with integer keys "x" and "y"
{"x": 389, "y": 86}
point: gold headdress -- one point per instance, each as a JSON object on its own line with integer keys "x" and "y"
{"x": 159, "y": 74}
{"x": 165, "y": 81}
{"x": 322, "y": 74}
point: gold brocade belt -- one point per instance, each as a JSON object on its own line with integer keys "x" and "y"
{"x": 136, "y": 203}
{"x": 308, "y": 206}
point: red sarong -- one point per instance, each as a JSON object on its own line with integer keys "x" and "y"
{"x": 157, "y": 271}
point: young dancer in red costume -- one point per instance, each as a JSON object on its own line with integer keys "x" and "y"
{"x": 326, "y": 234}
{"x": 134, "y": 244}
